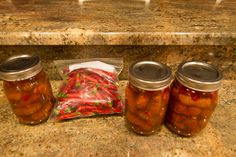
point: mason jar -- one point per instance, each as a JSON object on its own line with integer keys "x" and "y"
{"x": 27, "y": 88}
{"x": 146, "y": 96}
{"x": 194, "y": 96}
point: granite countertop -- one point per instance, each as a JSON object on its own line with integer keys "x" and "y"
{"x": 119, "y": 22}
{"x": 108, "y": 136}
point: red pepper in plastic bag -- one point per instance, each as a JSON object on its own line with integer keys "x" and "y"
{"x": 87, "y": 92}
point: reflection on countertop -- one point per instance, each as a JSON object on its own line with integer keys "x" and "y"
{"x": 120, "y": 22}
{"x": 108, "y": 136}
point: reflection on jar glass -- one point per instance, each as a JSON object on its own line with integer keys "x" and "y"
{"x": 194, "y": 96}
{"x": 27, "y": 88}
{"x": 147, "y": 95}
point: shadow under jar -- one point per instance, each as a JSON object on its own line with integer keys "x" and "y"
{"x": 193, "y": 97}
{"x": 147, "y": 95}
{"x": 27, "y": 88}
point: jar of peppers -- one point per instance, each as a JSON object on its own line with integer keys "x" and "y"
{"x": 27, "y": 88}
{"x": 147, "y": 95}
{"x": 193, "y": 97}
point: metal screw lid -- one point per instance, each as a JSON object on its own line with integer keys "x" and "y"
{"x": 150, "y": 75}
{"x": 199, "y": 76}
{"x": 20, "y": 67}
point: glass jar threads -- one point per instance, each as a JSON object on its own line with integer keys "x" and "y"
{"x": 27, "y": 88}
{"x": 146, "y": 96}
{"x": 193, "y": 97}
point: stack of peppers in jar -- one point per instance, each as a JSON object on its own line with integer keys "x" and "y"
{"x": 27, "y": 88}
{"x": 193, "y": 97}
{"x": 147, "y": 95}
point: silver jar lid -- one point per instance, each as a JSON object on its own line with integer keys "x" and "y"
{"x": 199, "y": 76}
{"x": 20, "y": 67}
{"x": 149, "y": 75}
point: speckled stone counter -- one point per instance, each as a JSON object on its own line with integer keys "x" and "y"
{"x": 108, "y": 136}
{"x": 119, "y": 22}
{"x": 223, "y": 57}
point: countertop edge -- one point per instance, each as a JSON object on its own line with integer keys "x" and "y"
{"x": 82, "y": 37}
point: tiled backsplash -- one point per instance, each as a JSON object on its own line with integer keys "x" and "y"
{"x": 223, "y": 57}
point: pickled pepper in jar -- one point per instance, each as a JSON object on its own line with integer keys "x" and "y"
{"x": 147, "y": 95}
{"x": 27, "y": 88}
{"x": 193, "y": 97}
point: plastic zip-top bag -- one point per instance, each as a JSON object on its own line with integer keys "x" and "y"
{"x": 90, "y": 88}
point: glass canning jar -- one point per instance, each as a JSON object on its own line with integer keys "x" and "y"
{"x": 146, "y": 96}
{"x": 193, "y": 97}
{"x": 27, "y": 88}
